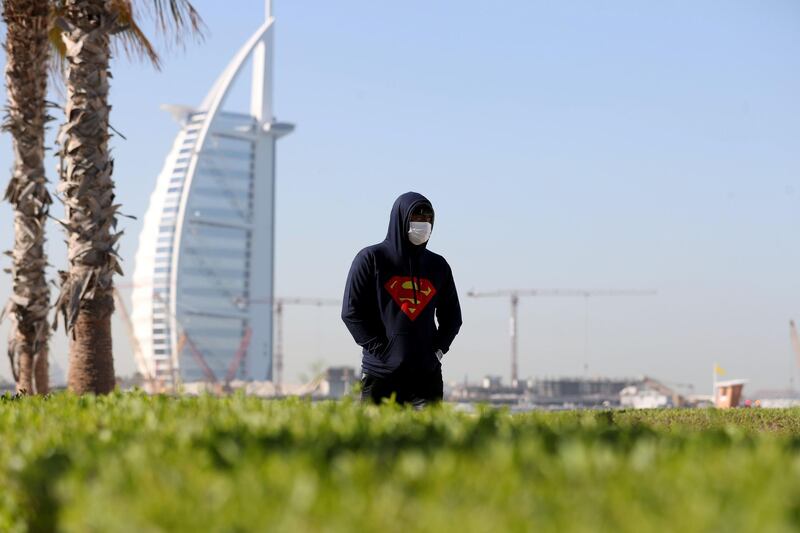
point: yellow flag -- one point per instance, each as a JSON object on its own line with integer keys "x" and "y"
{"x": 718, "y": 370}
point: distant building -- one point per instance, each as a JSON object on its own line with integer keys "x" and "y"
{"x": 728, "y": 393}
{"x": 203, "y": 282}
{"x": 643, "y": 397}
{"x": 581, "y": 391}
{"x": 338, "y": 381}
{"x": 651, "y": 393}
{"x": 492, "y": 382}
{"x": 544, "y": 392}
{"x": 776, "y": 398}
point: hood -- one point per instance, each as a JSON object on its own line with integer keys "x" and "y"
{"x": 397, "y": 235}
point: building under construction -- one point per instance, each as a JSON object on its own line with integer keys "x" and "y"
{"x": 556, "y": 393}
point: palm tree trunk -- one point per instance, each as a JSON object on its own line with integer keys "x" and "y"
{"x": 41, "y": 372}
{"x": 27, "y": 51}
{"x": 87, "y": 191}
{"x": 24, "y": 370}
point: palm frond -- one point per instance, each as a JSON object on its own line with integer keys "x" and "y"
{"x": 173, "y": 19}
{"x": 130, "y": 36}
{"x": 178, "y": 16}
{"x": 58, "y": 49}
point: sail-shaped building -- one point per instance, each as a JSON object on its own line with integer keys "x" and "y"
{"x": 203, "y": 281}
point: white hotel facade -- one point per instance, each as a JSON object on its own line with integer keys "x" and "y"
{"x": 203, "y": 281}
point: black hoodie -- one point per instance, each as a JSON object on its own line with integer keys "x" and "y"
{"x": 394, "y": 290}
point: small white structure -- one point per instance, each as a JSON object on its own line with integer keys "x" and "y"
{"x": 637, "y": 397}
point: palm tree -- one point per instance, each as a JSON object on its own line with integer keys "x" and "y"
{"x": 87, "y": 189}
{"x": 27, "y": 53}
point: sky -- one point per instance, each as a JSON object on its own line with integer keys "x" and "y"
{"x": 613, "y": 144}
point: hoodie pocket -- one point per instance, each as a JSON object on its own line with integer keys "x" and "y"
{"x": 397, "y": 350}
{"x": 387, "y": 350}
{"x": 402, "y": 348}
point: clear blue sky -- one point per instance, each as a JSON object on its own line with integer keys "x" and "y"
{"x": 602, "y": 144}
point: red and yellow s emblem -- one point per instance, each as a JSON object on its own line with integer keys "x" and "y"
{"x": 402, "y": 290}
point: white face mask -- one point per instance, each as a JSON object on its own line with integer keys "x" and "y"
{"x": 419, "y": 232}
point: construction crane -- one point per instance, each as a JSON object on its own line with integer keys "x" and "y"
{"x": 200, "y": 360}
{"x": 279, "y": 305}
{"x": 197, "y": 355}
{"x": 151, "y": 377}
{"x": 515, "y": 294}
{"x": 151, "y": 384}
{"x": 238, "y": 358}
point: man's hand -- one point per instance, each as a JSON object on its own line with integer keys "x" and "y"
{"x": 439, "y": 355}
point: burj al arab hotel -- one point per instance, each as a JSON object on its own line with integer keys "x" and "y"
{"x": 203, "y": 281}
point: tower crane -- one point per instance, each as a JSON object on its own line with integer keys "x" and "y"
{"x": 515, "y": 294}
{"x": 155, "y": 378}
{"x": 151, "y": 384}
{"x": 279, "y": 305}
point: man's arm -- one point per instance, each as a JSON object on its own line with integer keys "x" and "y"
{"x": 360, "y": 306}
{"x": 448, "y": 314}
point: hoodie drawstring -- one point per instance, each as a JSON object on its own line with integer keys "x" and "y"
{"x": 413, "y": 281}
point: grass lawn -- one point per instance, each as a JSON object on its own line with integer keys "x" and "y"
{"x": 129, "y": 462}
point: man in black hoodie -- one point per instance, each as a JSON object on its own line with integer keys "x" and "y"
{"x": 394, "y": 290}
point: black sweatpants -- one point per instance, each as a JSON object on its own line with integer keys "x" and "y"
{"x": 417, "y": 388}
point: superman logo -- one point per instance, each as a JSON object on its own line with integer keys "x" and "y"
{"x": 402, "y": 290}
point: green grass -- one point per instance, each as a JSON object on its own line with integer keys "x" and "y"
{"x": 134, "y": 463}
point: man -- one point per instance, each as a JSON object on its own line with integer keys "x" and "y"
{"x": 394, "y": 290}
